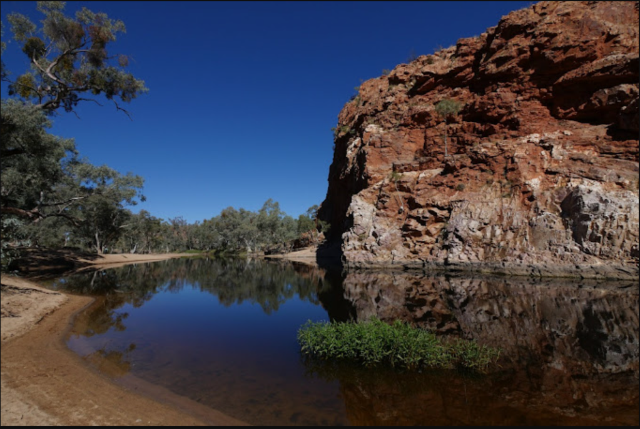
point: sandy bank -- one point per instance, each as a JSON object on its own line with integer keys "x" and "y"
{"x": 304, "y": 256}
{"x": 44, "y": 383}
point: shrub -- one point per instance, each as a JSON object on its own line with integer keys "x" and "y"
{"x": 395, "y": 176}
{"x": 398, "y": 345}
{"x": 460, "y": 187}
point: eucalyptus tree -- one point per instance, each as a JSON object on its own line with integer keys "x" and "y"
{"x": 69, "y": 61}
{"x": 42, "y": 175}
{"x": 101, "y": 215}
{"x": 308, "y": 221}
{"x": 142, "y": 233}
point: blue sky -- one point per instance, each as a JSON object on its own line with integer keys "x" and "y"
{"x": 243, "y": 95}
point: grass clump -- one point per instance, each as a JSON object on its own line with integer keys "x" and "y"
{"x": 397, "y": 345}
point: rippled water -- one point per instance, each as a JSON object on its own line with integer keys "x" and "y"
{"x": 223, "y": 333}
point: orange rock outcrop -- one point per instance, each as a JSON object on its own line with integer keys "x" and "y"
{"x": 541, "y": 176}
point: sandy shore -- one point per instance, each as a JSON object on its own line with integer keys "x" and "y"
{"x": 304, "y": 256}
{"x": 44, "y": 383}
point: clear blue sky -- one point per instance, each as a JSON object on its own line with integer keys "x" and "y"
{"x": 243, "y": 95}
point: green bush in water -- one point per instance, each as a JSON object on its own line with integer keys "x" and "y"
{"x": 398, "y": 344}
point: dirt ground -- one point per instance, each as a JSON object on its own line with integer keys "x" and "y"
{"x": 44, "y": 383}
{"x": 305, "y": 256}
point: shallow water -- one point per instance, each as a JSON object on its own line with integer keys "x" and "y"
{"x": 223, "y": 333}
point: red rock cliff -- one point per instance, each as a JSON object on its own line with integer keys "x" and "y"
{"x": 542, "y": 172}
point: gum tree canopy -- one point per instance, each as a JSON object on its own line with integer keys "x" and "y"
{"x": 69, "y": 59}
{"x": 43, "y": 175}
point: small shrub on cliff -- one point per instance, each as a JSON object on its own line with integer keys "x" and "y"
{"x": 446, "y": 109}
{"x": 460, "y": 187}
{"x": 397, "y": 345}
{"x": 346, "y": 130}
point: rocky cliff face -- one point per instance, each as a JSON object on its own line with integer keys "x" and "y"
{"x": 541, "y": 175}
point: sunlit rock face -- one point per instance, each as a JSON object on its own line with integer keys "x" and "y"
{"x": 542, "y": 172}
{"x": 569, "y": 349}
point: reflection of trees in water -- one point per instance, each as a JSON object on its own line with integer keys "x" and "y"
{"x": 570, "y": 348}
{"x": 267, "y": 284}
{"x": 113, "y": 363}
{"x": 232, "y": 281}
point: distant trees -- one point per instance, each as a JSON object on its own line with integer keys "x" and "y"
{"x": 50, "y": 196}
{"x": 142, "y": 233}
{"x": 240, "y": 231}
{"x": 233, "y": 231}
{"x": 446, "y": 109}
{"x": 307, "y": 221}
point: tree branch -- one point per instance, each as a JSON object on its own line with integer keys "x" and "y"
{"x": 120, "y": 108}
{"x": 12, "y": 152}
{"x": 87, "y": 99}
{"x": 70, "y": 200}
{"x": 36, "y": 216}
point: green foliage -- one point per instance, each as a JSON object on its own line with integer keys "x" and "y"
{"x": 448, "y": 107}
{"x": 232, "y": 232}
{"x": 142, "y": 233}
{"x": 49, "y": 194}
{"x": 343, "y": 130}
{"x": 13, "y": 237}
{"x": 394, "y": 176}
{"x": 398, "y": 344}
{"x": 306, "y": 223}
{"x": 34, "y": 48}
{"x": 460, "y": 187}
{"x": 385, "y": 72}
{"x": 324, "y": 226}
{"x": 69, "y": 57}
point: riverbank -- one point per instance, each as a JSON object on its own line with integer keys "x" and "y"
{"x": 304, "y": 256}
{"x": 44, "y": 383}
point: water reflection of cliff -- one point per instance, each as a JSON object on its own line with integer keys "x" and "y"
{"x": 570, "y": 350}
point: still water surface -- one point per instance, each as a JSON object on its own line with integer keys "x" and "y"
{"x": 223, "y": 333}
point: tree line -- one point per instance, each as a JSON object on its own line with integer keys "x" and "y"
{"x": 51, "y": 196}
